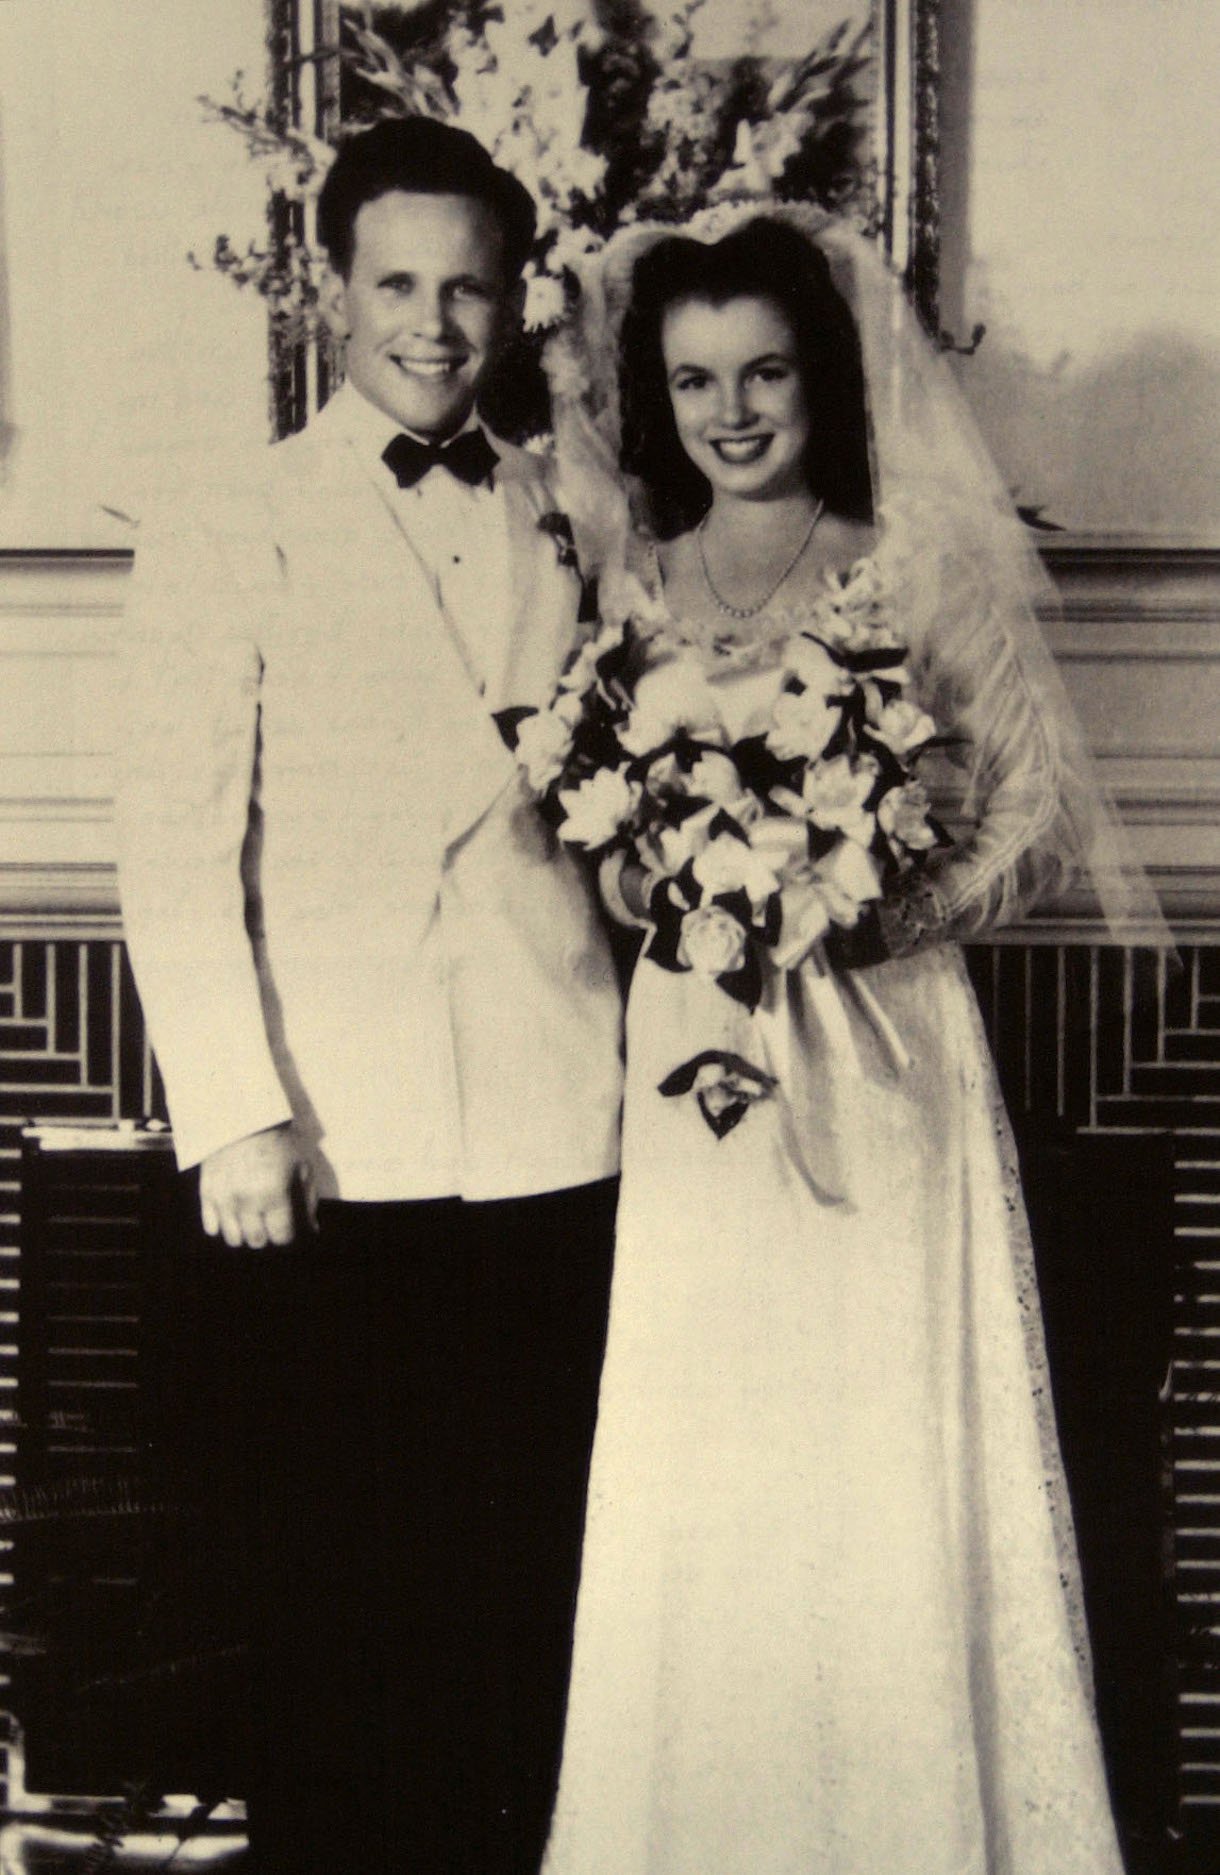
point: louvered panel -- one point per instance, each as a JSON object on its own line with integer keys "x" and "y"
{"x": 1196, "y": 1460}
{"x": 1133, "y": 1047}
{"x": 82, "y": 1486}
{"x": 78, "y": 1390}
{"x": 72, "y": 1049}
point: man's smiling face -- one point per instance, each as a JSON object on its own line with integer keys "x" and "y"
{"x": 422, "y": 306}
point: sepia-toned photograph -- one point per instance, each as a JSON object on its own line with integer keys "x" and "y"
{"x": 609, "y": 937}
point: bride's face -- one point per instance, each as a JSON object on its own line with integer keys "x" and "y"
{"x": 738, "y": 401}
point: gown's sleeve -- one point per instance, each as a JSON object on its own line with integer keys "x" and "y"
{"x": 1025, "y": 807}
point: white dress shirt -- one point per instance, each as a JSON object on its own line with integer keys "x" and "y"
{"x": 458, "y": 533}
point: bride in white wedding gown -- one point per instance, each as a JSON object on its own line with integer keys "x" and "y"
{"x": 829, "y": 1618}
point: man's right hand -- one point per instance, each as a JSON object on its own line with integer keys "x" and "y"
{"x": 251, "y": 1191}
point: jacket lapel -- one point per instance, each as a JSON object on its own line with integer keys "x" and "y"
{"x": 333, "y": 519}
{"x": 546, "y": 590}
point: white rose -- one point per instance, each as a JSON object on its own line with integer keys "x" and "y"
{"x": 712, "y": 942}
{"x": 903, "y": 815}
{"x": 901, "y": 725}
{"x": 598, "y": 807}
{"x": 802, "y": 726}
{"x": 834, "y": 794}
{"x": 544, "y": 742}
{"x": 727, "y": 864}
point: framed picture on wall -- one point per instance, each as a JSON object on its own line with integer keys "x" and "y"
{"x": 863, "y": 75}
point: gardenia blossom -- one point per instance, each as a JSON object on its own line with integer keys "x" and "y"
{"x": 902, "y": 814}
{"x": 674, "y": 696}
{"x": 782, "y": 839}
{"x": 544, "y": 742}
{"x": 715, "y": 777}
{"x": 728, "y": 864}
{"x": 847, "y": 879}
{"x": 712, "y": 942}
{"x": 848, "y": 613}
{"x": 598, "y": 807}
{"x": 834, "y": 794}
{"x": 812, "y": 664}
{"x": 646, "y": 730}
{"x": 721, "y": 1087}
{"x": 861, "y": 586}
{"x": 801, "y": 726}
{"x": 624, "y": 596}
{"x": 673, "y": 846}
{"x": 873, "y": 634}
{"x": 901, "y": 724}
{"x": 834, "y": 892}
{"x": 581, "y": 673}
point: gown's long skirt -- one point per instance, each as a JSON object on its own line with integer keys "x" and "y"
{"x": 828, "y": 1622}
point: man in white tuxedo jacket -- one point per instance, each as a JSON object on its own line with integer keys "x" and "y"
{"x": 388, "y": 1026}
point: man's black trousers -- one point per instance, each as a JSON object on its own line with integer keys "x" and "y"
{"x": 395, "y": 1454}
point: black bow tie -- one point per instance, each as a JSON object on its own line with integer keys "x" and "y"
{"x": 469, "y": 456}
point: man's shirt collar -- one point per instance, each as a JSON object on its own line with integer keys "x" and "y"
{"x": 371, "y": 429}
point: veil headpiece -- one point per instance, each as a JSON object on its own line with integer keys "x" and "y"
{"x": 968, "y": 587}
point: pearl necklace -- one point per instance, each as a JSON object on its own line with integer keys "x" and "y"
{"x": 752, "y": 611}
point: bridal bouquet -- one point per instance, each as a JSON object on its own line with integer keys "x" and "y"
{"x": 752, "y": 851}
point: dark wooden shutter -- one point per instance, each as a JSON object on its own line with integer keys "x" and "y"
{"x": 124, "y": 1662}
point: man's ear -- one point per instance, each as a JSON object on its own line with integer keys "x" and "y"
{"x": 332, "y": 303}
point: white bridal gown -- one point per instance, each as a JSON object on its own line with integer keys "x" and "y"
{"x": 828, "y": 1618}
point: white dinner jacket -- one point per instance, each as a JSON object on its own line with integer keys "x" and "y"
{"x": 340, "y": 903}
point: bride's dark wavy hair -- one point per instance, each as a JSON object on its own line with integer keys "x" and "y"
{"x": 768, "y": 260}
